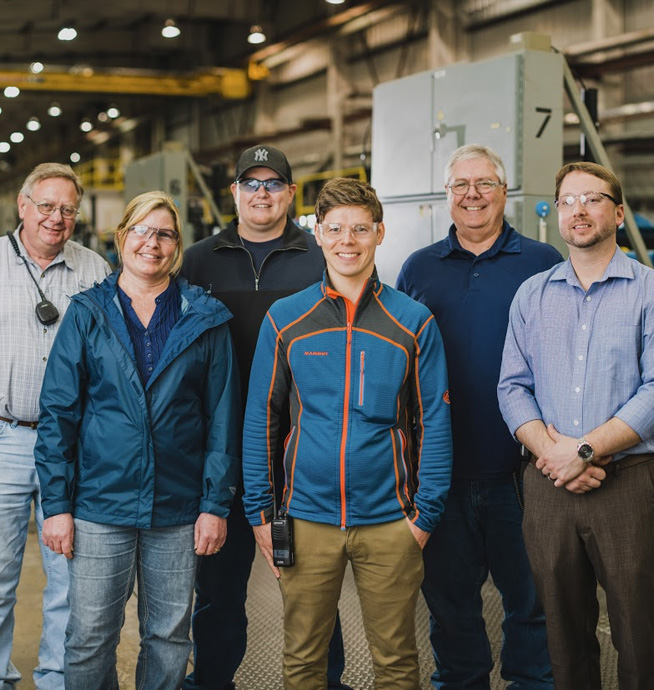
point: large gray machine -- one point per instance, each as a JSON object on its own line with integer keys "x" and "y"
{"x": 513, "y": 104}
{"x": 171, "y": 170}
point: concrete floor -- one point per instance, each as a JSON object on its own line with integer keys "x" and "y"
{"x": 261, "y": 668}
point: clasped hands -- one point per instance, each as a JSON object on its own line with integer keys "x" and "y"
{"x": 565, "y": 468}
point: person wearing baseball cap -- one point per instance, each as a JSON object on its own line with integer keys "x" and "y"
{"x": 258, "y": 258}
{"x": 264, "y": 157}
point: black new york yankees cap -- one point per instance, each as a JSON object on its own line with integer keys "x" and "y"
{"x": 264, "y": 157}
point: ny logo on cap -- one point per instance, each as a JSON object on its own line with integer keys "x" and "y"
{"x": 261, "y": 155}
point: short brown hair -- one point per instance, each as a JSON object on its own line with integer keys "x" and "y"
{"x": 346, "y": 191}
{"x": 137, "y": 209}
{"x": 46, "y": 171}
{"x": 593, "y": 169}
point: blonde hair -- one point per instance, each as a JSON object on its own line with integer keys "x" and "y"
{"x": 137, "y": 209}
{"x": 46, "y": 171}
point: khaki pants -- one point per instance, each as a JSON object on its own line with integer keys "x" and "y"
{"x": 387, "y": 566}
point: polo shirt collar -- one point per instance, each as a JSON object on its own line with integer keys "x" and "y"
{"x": 508, "y": 242}
{"x": 620, "y": 266}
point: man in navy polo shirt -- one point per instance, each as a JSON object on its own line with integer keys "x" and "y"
{"x": 468, "y": 280}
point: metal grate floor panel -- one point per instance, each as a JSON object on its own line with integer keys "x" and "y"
{"x": 261, "y": 668}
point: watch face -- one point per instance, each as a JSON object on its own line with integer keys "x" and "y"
{"x": 585, "y": 451}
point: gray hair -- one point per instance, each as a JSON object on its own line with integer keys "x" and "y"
{"x": 46, "y": 171}
{"x": 470, "y": 151}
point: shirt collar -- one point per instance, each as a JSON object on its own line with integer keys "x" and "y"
{"x": 508, "y": 242}
{"x": 65, "y": 255}
{"x": 620, "y": 266}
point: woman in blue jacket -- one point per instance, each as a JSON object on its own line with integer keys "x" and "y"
{"x": 138, "y": 450}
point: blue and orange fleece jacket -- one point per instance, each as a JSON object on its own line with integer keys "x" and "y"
{"x": 370, "y": 439}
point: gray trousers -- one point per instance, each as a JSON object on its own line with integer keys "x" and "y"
{"x": 606, "y": 536}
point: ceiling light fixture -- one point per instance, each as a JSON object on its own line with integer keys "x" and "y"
{"x": 113, "y": 112}
{"x": 75, "y": 157}
{"x": 37, "y": 67}
{"x": 170, "y": 29}
{"x": 86, "y": 125}
{"x": 335, "y": 2}
{"x": 54, "y": 110}
{"x": 67, "y": 33}
{"x": 11, "y": 92}
{"x": 33, "y": 124}
{"x": 17, "y": 137}
{"x": 4, "y": 146}
{"x": 256, "y": 34}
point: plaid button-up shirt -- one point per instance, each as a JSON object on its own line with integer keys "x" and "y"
{"x": 24, "y": 341}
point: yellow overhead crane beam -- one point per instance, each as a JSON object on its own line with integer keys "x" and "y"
{"x": 225, "y": 82}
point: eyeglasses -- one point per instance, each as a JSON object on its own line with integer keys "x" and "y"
{"x": 145, "y": 232}
{"x": 460, "y": 187}
{"x": 587, "y": 200}
{"x": 360, "y": 231}
{"x": 252, "y": 185}
{"x": 47, "y": 209}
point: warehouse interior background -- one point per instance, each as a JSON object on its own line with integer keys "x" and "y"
{"x": 99, "y": 86}
{"x": 119, "y": 91}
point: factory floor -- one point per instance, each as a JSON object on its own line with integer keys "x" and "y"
{"x": 261, "y": 668}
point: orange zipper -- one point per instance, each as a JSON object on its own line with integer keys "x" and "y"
{"x": 346, "y": 403}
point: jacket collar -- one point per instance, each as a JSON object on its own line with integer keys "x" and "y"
{"x": 193, "y": 298}
{"x": 508, "y": 241}
{"x": 372, "y": 286}
{"x": 199, "y": 312}
{"x": 292, "y": 237}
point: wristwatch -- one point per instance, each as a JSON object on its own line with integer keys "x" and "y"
{"x": 585, "y": 450}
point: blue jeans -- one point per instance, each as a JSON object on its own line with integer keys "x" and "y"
{"x": 219, "y": 619}
{"x": 106, "y": 561}
{"x": 19, "y": 487}
{"x": 481, "y": 531}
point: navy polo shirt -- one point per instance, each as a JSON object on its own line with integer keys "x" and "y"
{"x": 470, "y": 297}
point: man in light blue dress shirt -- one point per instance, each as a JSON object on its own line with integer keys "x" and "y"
{"x": 577, "y": 389}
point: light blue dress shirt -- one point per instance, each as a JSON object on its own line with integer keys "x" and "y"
{"x": 577, "y": 358}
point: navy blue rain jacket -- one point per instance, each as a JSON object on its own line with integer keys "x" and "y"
{"x": 112, "y": 451}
